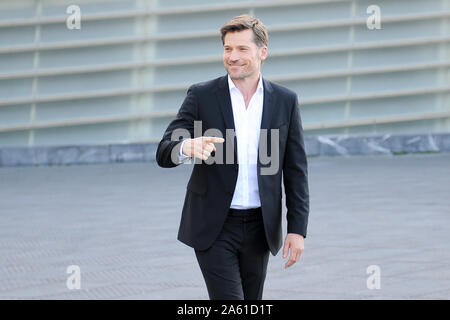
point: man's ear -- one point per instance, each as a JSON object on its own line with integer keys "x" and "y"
{"x": 263, "y": 53}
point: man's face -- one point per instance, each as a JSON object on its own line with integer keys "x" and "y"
{"x": 241, "y": 56}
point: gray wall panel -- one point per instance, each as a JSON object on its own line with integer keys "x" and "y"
{"x": 124, "y": 75}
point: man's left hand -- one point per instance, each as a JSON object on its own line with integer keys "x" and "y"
{"x": 296, "y": 244}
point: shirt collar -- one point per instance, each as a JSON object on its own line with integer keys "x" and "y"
{"x": 259, "y": 88}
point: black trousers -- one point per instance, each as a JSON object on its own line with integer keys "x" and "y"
{"x": 235, "y": 266}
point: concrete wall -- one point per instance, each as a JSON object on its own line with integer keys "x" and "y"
{"x": 122, "y": 77}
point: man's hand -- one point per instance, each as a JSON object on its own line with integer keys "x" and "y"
{"x": 201, "y": 147}
{"x": 296, "y": 243}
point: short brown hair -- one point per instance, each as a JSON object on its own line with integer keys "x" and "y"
{"x": 244, "y": 22}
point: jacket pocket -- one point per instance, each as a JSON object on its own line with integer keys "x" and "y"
{"x": 197, "y": 182}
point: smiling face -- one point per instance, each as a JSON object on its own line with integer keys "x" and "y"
{"x": 242, "y": 58}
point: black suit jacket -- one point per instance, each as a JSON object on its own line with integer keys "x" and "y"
{"x": 211, "y": 186}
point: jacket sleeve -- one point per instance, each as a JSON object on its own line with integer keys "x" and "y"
{"x": 295, "y": 176}
{"x": 167, "y": 153}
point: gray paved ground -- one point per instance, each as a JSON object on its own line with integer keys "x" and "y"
{"x": 118, "y": 223}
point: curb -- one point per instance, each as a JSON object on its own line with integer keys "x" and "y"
{"x": 342, "y": 145}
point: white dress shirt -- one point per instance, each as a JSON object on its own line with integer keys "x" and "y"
{"x": 247, "y": 122}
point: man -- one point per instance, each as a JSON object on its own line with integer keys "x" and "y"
{"x": 232, "y": 209}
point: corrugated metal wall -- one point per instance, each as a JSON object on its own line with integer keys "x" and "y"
{"x": 123, "y": 75}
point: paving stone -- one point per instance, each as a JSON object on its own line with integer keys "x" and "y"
{"x": 119, "y": 221}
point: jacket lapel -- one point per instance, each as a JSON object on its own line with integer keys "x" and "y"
{"x": 266, "y": 121}
{"x": 268, "y": 105}
{"x": 223, "y": 95}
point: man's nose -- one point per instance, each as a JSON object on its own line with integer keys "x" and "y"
{"x": 234, "y": 56}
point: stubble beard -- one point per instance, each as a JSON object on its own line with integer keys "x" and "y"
{"x": 243, "y": 75}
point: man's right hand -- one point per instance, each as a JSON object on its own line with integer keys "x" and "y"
{"x": 201, "y": 147}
